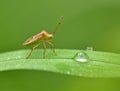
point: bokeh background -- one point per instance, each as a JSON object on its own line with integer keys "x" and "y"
{"x": 94, "y": 23}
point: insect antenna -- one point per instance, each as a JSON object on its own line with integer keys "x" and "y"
{"x": 56, "y": 28}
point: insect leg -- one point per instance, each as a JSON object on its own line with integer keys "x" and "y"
{"x": 35, "y": 46}
{"x": 52, "y": 46}
{"x": 44, "y": 45}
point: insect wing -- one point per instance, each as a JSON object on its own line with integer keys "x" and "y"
{"x": 32, "y": 39}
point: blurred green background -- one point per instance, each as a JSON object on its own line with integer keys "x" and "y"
{"x": 86, "y": 23}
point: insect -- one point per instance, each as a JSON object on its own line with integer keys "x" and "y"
{"x": 44, "y": 37}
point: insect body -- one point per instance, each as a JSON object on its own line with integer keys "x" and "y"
{"x": 44, "y": 37}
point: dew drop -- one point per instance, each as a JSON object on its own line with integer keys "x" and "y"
{"x": 81, "y": 57}
{"x": 89, "y": 48}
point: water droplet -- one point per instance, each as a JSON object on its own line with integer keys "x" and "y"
{"x": 81, "y": 57}
{"x": 89, "y": 48}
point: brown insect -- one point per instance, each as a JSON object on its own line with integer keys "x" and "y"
{"x": 44, "y": 37}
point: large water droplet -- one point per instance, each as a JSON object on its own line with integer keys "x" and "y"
{"x": 81, "y": 57}
{"x": 89, "y": 48}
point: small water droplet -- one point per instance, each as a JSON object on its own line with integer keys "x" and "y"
{"x": 89, "y": 48}
{"x": 81, "y": 57}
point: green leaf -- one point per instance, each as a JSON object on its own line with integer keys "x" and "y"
{"x": 101, "y": 64}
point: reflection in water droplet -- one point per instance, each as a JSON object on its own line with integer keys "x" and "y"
{"x": 81, "y": 57}
{"x": 89, "y": 48}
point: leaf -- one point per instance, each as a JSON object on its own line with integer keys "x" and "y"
{"x": 101, "y": 64}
